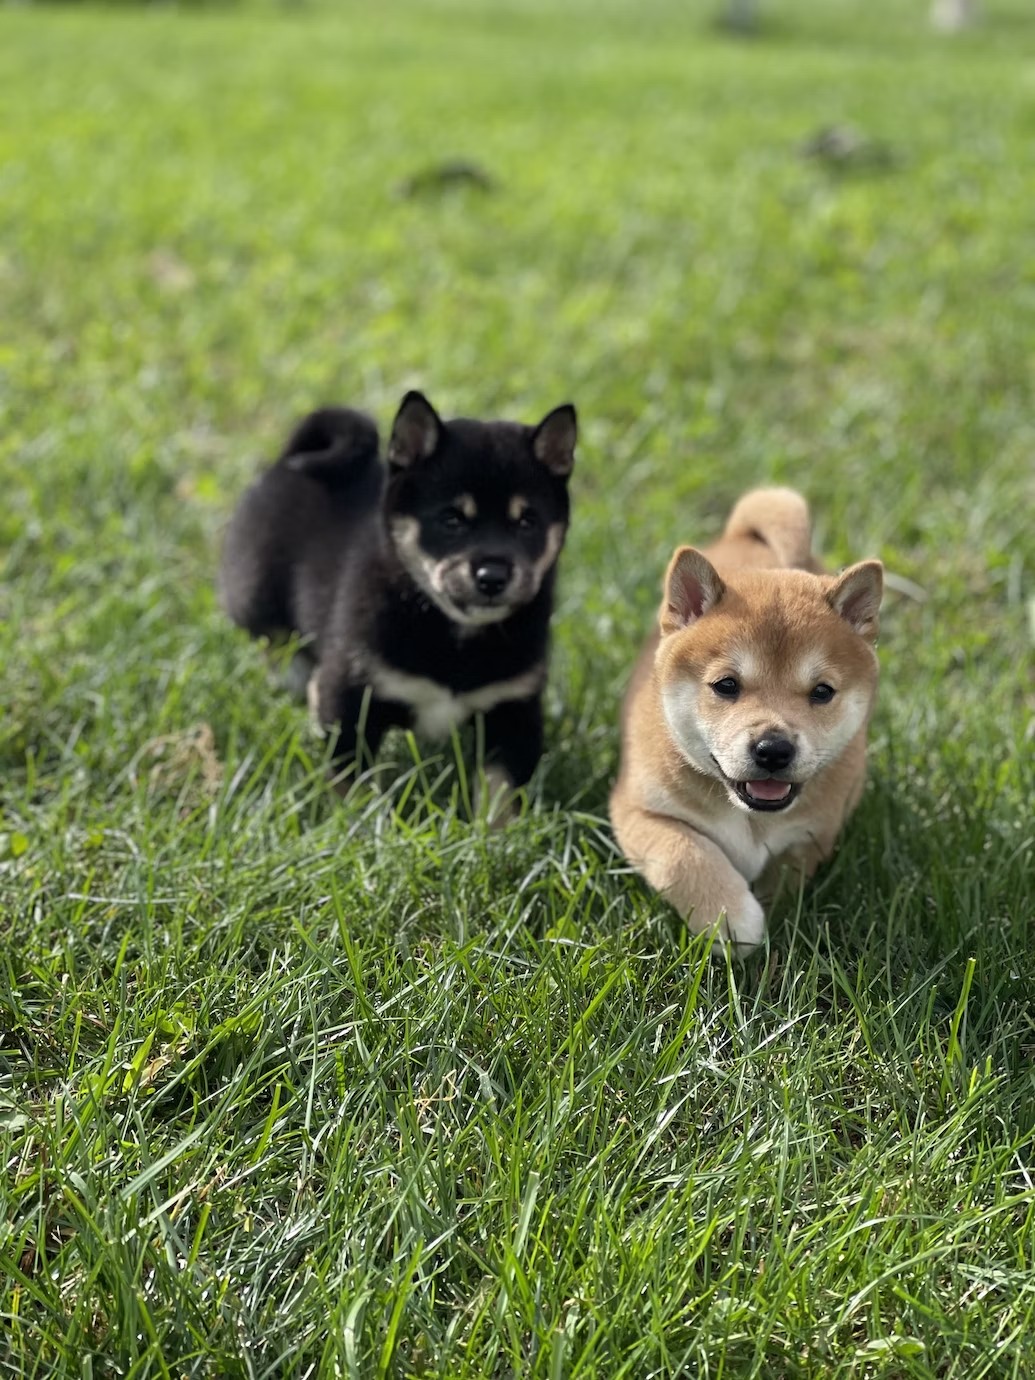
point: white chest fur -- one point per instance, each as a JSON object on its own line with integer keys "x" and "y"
{"x": 749, "y": 841}
{"x": 437, "y": 710}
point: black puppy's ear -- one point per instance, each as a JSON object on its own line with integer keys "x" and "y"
{"x": 554, "y": 440}
{"x": 416, "y": 431}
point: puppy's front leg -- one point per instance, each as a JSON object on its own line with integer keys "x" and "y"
{"x": 513, "y": 746}
{"x": 360, "y": 718}
{"x": 793, "y": 867}
{"x": 691, "y": 872}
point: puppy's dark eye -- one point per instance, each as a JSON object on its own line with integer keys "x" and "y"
{"x": 727, "y": 688}
{"x": 528, "y": 520}
{"x": 452, "y": 519}
{"x": 822, "y": 693}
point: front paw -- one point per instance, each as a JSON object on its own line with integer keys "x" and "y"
{"x": 312, "y": 699}
{"x": 496, "y": 798}
{"x": 742, "y": 926}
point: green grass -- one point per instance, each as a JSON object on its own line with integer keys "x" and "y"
{"x": 292, "y": 1088}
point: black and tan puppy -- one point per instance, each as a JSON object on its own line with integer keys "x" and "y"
{"x": 424, "y": 585}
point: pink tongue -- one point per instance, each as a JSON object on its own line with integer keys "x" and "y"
{"x": 768, "y": 790}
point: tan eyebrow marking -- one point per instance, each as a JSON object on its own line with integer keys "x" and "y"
{"x": 517, "y": 506}
{"x": 746, "y": 664}
{"x": 467, "y": 506}
{"x": 813, "y": 668}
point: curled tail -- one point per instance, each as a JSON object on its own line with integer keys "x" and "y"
{"x": 332, "y": 443}
{"x": 779, "y": 519}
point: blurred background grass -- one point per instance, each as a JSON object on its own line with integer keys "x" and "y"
{"x": 203, "y": 234}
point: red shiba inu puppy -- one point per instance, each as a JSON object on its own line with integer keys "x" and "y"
{"x": 744, "y": 725}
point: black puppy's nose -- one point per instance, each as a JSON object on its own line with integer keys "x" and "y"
{"x": 491, "y": 575}
{"x": 773, "y": 753}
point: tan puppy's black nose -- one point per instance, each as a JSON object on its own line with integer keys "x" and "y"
{"x": 491, "y": 575}
{"x": 773, "y": 753}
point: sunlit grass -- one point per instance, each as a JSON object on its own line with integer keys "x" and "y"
{"x": 290, "y": 1087}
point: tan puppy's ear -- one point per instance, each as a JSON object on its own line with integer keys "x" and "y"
{"x": 692, "y": 587}
{"x": 856, "y": 596}
{"x": 416, "y": 431}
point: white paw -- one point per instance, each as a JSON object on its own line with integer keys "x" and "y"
{"x": 743, "y": 925}
{"x": 495, "y": 799}
{"x": 312, "y": 695}
{"x": 296, "y": 675}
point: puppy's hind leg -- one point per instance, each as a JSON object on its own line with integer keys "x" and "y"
{"x": 254, "y": 577}
{"x": 692, "y": 873}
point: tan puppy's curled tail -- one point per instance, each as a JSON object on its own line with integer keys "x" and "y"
{"x": 778, "y": 519}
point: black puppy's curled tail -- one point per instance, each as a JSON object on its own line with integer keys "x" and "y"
{"x": 331, "y": 445}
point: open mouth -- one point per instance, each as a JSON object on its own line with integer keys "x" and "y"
{"x": 767, "y": 794}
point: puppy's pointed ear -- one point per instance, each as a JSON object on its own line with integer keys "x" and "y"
{"x": 416, "y": 431}
{"x": 856, "y": 596}
{"x": 692, "y": 587}
{"x": 554, "y": 440}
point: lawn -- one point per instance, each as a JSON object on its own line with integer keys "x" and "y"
{"x": 291, "y": 1087}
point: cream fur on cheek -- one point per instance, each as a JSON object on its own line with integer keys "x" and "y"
{"x": 679, "y": 701}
